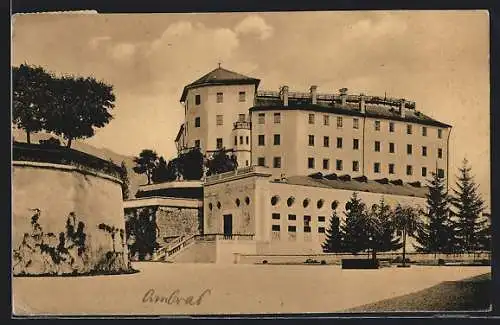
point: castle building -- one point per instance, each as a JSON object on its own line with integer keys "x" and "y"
{"x": 300, "y": 155}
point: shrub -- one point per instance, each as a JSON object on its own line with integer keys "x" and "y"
{"x": 441, "y": 261}
{"x": 264, "y": 262}
{"x": 50, "y": 142}
{"x": 323, "y": 262}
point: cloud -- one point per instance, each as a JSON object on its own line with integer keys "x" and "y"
{"x": 375, "y": 28}
{"x": 123, "y": 51}
{"x": 96, "y": 41}
{"x": 255, "y": 25}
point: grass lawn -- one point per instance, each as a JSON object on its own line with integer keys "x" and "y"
{"x": 472, "y": 294}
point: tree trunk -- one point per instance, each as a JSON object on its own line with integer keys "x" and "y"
{"x": 68, "y": 145}
{"x": 374, "y": 255}
{"x": 148, "y": 174}
{"x": 28, "y": 136}
{"x": 404, "y": 247}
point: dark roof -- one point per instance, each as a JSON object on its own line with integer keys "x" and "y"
{"x": 357, "y": 186}
{"x": 220, "y": 76}
{"x": 371, "y": 110}
{"x": 181, "y": 130}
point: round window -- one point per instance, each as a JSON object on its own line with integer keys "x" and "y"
{"x": 238, "y": 202}
{"x": 305, "y": 203}
{"x": 210, "y": 206}
{"x": 218, "y": 205}
{"x": 290, "y": 201}
{"x": 335, "y": 204}
{"x": 247, "y": 200}
{"x": 275, "y": 199}
{"x": 320, "y": 203}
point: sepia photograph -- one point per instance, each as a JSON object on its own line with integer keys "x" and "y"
{"x": 250, "y": 163}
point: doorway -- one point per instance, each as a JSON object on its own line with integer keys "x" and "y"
{"x": 228, "y": 226}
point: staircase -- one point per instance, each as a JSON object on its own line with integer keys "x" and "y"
{"x": 173, "y": 248}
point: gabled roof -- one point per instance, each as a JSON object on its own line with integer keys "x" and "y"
{"x": 220, "y": 76}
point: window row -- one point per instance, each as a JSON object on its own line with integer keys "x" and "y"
{"x": 220, "y": 97}
{"x": 247, "y": 140}
{"x": 219, "y": 120}
{"x": 294, "y": 228}
{"x": 237, "y": 202}
{"x": 293, "y": 217}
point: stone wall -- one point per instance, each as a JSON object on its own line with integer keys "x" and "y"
{"x": 174, "y": 221}
{"x": 49, "y": 198}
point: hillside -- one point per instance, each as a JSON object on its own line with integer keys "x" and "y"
{"x": 104, "y": 153}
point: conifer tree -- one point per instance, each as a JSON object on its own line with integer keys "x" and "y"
{"x": 437, "y": 234}
{"x": 468, "y": 206}
{"x": 382, "y": 229}
{"x": 333, "y": 241}
{"x": 354, "y": 230}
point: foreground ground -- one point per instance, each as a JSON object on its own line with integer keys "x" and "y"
{"x": 231, "y": 289}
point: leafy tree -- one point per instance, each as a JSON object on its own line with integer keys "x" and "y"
{"x": 190, "y": 164}
{"x": 407, "y": 223}
{"x": 164, "y": 172}
{"x": 221, "y": 162}
{"x": 146, "y": 163}
{"x": 354, "y": 229}
{"x": 80, "y": 105}
{"x": 141, "y": 227}
{"x": 381, "y": 228}
{"x": 31, "y": 97}
{"x": 125, "y": 181}
{"x": 468, "y": 206}
{"x": 333, "y": 241}
{"x": 437, "y": 234}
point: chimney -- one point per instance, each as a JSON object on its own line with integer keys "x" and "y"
{"x": 402, "y": 108}
{"x": 362, "y": 107}
{"x": 284, "y": 95}
{"x": 314, "y": 99}
{"x": 343, "y": 96}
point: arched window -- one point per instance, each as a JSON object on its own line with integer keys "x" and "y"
{"x": 247, "y": 200}
{"x": 218, "y": 205}
{"x": 237, "y": 202}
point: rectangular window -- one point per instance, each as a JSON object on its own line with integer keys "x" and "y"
{"x": 292, "y": 228}
{"x": 242, "y": 96}
{"x": 440, "y": 133}
{"x": 321, "y": 219}
{"x": 277, "y": 140}
{"x": 377, "y": 146}
{"x": 326, "y": 164}
{"x": 339, "y": 121}
{"x": 408, "y": 129}
{"x": 355, "y": 144}
{"x": 377, "y": 125}
{"x": 277, "y": 118}
{"x": 275, "y": 227}
{"x": 310, "y": 162}
{"x": 311, "y": 118}
{"x": 391, "y": 168}
{"x": 219, "y": 143}
{"x": 321, "y": 230}
{"x": 424, "y": 131}
{"x": 339, "y": 164}
{"x": 311, "y": 140}
{"x": 307, "y": 228}
{"x": 376, "y": 167}
{"x": 326, "y": 120}
{"x": 441, "y": 173}
{"x": 339, "y": 142}
{"x": 409, "y": 149}
{"x": 409, "y": 170}
{"x": 220, "y": 97}
{"x": 197, "y": 122}
{"x": 235, "y": 140}
{"x": 261, "y": 140}
{"x": 219, "y": 120}
{"x": 246, "y": 162}
{"x": 391, "y": 147}
{"x": 391, "y": 126}
{"x": 355, "y": 166}
{"x": 440, "y": 153}
{"x": 197, "y": 143}
{"x": 197, "y": 99}
{"x": 246, "y": 139}
{"x": 277, "y": 162}
{"x": 424, "y": 151}
{"x": 261, "y": 161}
{"x": 355, "y": 123}
{"x": 261, "y": 118}
{"x": 241, "y": 139}
{"x": 292, "y": 217}
{"x": 424, "y": 171}
{"x": 241, "y": 117}
{"x": 307, "y": 219}
{"x": 326, "y": 141}
{"x": 276, "y": 216}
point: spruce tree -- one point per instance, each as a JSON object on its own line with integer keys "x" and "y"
{"x": 437, "y": 234}
{"x": 383, "y": 229}
{"x": 354, "y": 229}
{"x": 468, "y": 206}
{"x": 333, "y": 239}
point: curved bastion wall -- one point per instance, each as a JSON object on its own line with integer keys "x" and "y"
{"x": 66, "y": 219}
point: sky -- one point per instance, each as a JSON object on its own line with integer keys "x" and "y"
{"x": 439, "y": 59}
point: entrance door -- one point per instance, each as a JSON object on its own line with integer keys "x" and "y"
{"x": 228, "y": 226}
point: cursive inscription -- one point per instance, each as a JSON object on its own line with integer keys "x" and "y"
{"x": 175, "y": 298}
